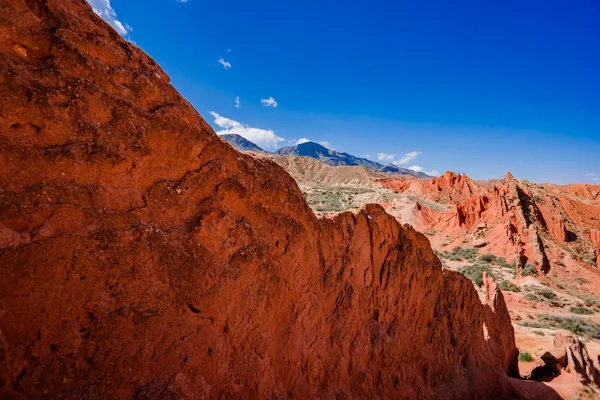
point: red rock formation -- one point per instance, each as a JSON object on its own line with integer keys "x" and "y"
{"x": 595, "y": 238}
{"x": 519, "y": 217}
{"x": 571, "y": 356}
{"x": 143, "y": 257}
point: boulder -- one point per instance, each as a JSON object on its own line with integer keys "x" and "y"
{"x": 479, "y": 243}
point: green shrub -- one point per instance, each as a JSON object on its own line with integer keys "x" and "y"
{"x": 531, "y": 297}
{"x": 528, "y": 270}
{"x": 525, "y": 357}
{"x": 533, "y": 324}
{"x": 501, "y": 262}
{"x": 460, "y": 254}
{"x": 540, "y": 333}
{"x": 475, "y": 272}
{"x": 508, "y": 286}
{"x": 577, "y": 325}
{"x": 547, "y": 294}
{"x": 487, "y": 258}
{"x": 581, "y": 310}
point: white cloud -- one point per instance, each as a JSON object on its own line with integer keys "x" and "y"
{"x": 237, "y": 101}
{"x": 104, "y": 10}
{"x": 323, "y": 143}
{"x": 593, "y": 176}
{"x": 183, "y": 1}
{"x": 408, "y": 157}
{"x": 262, "y": 137}
{"x": 385, "y": 157}
{"x": 224, "y": 63}
{"x": 417, "y": 168}
{"x": 270, "y": 102}
{"x": 228, "y": 50}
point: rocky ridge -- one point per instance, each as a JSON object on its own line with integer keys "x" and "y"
{"x": 520, "y": 220}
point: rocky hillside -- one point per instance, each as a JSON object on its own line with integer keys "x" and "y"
{"x": 143, "y": 257}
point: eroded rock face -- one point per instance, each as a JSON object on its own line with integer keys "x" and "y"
{"x": 143, "y": 257}
{"x": 571, "y": 357}
{"x": 524, "y": 222}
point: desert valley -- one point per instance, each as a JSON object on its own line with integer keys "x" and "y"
{"x": 144, "y": 256}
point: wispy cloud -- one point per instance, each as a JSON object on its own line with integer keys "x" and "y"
{"x": 104, "y": 10}
{"x": 270, "y": 102}
{"x": 323, "y": 143}
{"x": 593, "y": 176}
{"x": 385, "y": 157}
{"x": 237, "y": 101}
{"x": 417, "y": 168}
{"x": 408, "y": 157}
{"x": 265, "y": 138}
{"x": 224, "y": 63}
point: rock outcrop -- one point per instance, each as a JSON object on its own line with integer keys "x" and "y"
{"x": 141, "y": 256}
{"x": 570, "y": 356}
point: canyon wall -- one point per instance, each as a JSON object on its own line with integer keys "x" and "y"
{"x": 141, "y": 256}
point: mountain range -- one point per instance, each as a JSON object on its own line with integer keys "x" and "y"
{"x": 323, "y": 154}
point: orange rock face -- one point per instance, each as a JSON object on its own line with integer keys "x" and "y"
{"x": 143, "y": 257}
{"x": 524, "y": 222}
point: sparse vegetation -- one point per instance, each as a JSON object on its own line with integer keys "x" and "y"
{"x": 540, "y": 294}
{"x": 581, "y": 280}
{"x": 540, "y": 333}
{"x": 460, "y": 254}
{"x": 508, "y": 286}
{"x": 334, "y": 198}
{"x": 547, "y": 294}
{"x": 577, "y": 325}
{"x": 487, "y": 258}
{"x": 475, "y": 272}
{"x": 581, "y": 310}
{"x": 525, "y": 357}
{"x": 528, "y": 270}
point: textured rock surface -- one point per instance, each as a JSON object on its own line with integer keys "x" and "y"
{"x": 573, "y": 358}
{"x": 141, "y": 256}
{"x": 524, "y": 222}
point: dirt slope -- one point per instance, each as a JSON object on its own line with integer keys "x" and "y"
{"x": 143, "y": 257}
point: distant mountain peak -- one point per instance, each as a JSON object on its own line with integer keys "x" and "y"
{"x": 323, "y": 154}
{"x": 336, "y": 158}
{"x": 241, "y": 144}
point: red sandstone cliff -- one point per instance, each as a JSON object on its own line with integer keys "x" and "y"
{"x": 143, "y": 257}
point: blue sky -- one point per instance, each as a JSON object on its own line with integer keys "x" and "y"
{"x": 480, "y": 87}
